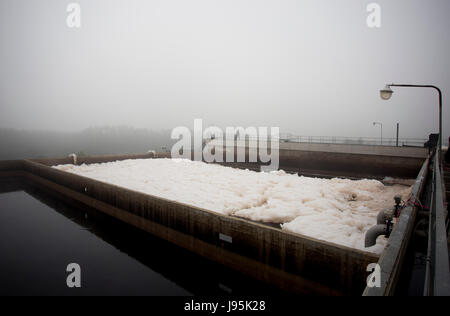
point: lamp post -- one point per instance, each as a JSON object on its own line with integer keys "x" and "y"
{"x": 387, "y": 92}
{"x": 381, "y": 124}
{"x": 398, "y": 127}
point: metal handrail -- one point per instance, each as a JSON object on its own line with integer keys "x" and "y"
{"x": 291, "y": 138}
{"x": 437, "y": 275}
{"x": 416, "y": 142}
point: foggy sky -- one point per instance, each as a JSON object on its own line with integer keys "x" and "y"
{"x": 310, "y": 67}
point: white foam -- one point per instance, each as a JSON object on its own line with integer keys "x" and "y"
{"x": 334, "y": 210}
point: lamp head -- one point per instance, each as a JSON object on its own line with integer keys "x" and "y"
{"x": 386, "y": 92}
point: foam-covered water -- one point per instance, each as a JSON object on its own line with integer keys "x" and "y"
{"x": 334, "y": 210}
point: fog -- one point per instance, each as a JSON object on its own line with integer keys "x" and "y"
{"x": 19, "y": 144}
{"x": 310, "y": 67}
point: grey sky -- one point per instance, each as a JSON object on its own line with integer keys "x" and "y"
{"x": 310, "y": 67}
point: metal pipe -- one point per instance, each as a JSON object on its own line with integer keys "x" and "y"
{"x": 373, "y": 233}
{"x": 74, "y": 158}
{"x": 398, "y": 127}
{"x": 385, "y": 215}
{"x": 381, "y": 218}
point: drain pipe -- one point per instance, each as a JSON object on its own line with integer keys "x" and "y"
{"x": 384, "y": 215}
{"x": 384, "y": 224}
{"x": 373, "y": 233}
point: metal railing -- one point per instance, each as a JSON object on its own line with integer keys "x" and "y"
{"x": 375, "y": 141}
{"x": 437, "y": 275}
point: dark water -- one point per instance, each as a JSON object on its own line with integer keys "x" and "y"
{"x": 41, "y": 235}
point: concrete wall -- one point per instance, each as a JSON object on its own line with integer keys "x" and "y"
{"x": 353, "y": 161}
{"x": 412, "y": 152}
{"x": 350, "y": 165}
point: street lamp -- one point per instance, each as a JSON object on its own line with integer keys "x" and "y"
{"x": 381, "y": 124}
{"x": 387, "y": 92}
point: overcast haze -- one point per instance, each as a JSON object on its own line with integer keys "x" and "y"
{"x": 309, "y": 67}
